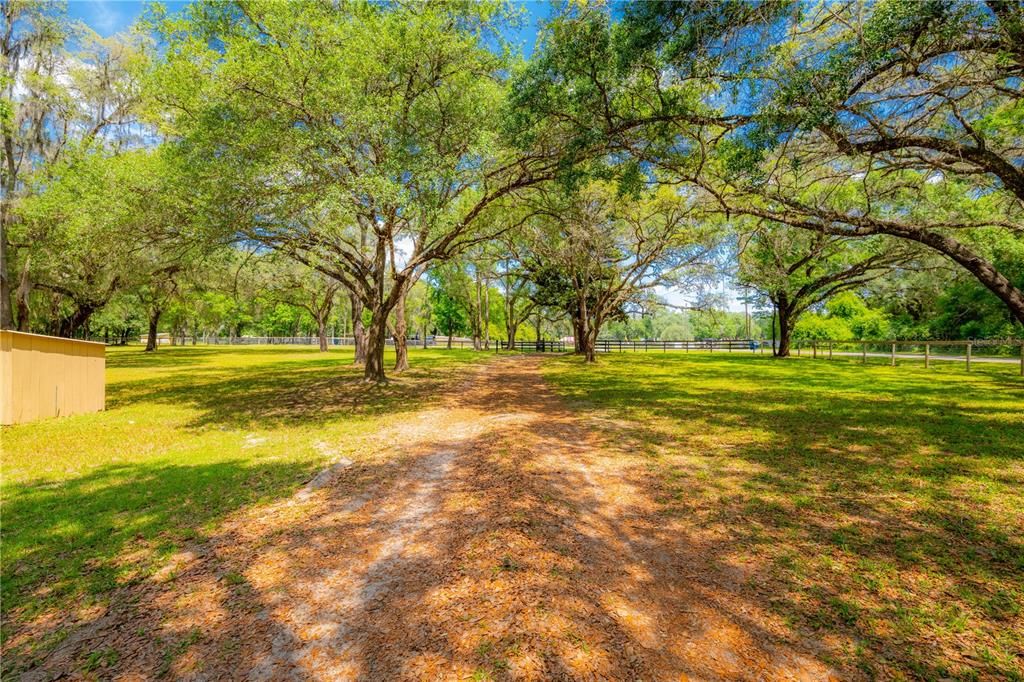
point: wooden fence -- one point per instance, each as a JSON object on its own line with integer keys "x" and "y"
{"x": 47, "y": 376}
{"x": 1007, "y": 351}
{"x": 432, "y": 341}
{"x": 710, "y": 345}
{"x": 542, "y": 346}
{"x": 923, "y": 351}
{"x": 893, "y": 350}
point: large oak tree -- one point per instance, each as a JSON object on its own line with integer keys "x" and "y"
{"x": 349, "y": 130}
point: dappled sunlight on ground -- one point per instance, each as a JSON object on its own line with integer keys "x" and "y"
{"x": 653, "y": 517}
{"x": 879, "y": 508}
{"x": 499, "y": 538}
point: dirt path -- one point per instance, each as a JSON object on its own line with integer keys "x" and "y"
{"x": 500, "y": 538}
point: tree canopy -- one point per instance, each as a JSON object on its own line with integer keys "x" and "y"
{"x": 189, "y": 173}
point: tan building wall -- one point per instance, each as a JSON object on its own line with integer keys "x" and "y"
{"x": 47, "y": 376}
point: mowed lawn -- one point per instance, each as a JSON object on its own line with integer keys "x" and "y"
{"x": 879, "y": 510}
{"x": 190, "y": 434}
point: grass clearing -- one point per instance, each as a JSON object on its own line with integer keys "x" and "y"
{"x": 876, "y": 510}
{"x": 190, "y": 434}
{"x": 880, "y": 510}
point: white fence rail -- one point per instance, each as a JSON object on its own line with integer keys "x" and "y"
{"x": 1004, "y": 351}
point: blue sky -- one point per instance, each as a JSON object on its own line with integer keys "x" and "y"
{"x": 107, "y": 17}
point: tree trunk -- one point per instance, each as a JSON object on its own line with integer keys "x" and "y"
{"x": 321, "y": 311}
{"x": 578, "y": 334}
{"x": 6, "y": 312}
{"x": 321, "y": 332}
{"x": 376, "y": 340}
{"x": 582, "y": 330}
{"x": 588, "y": 344}
{"x": 590, "y": 329}
{"x": 510, "y": 330}
{"x": 380, "y": 309}
{"x": 478, "y": 312}
{"x": 358, "y": 331}
{"x": 24, "y": 287}
{"x": 786, "y": 322}
{"x": 154, "y": 320}
{"x": 510, "y": 326}
{"x": 401, "y": 347}
{"x": 773, "y": 329}
{"x": 487, "y": 316}
{"x": 68, "y": 326}
{"x": 449, "y": 341}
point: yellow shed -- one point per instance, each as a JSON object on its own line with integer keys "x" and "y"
{"x": 47, "y": 376}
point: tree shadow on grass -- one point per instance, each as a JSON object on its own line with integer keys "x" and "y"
{"x": 514, "y": 560}
{"x": 867, "y": 501}
{"x": 303, "y": 391}
{"x": 817, "y": 408}
{"x": 82, "y": 538}
{"x": 844, "y": 373}
{"x": 67, "y": 538}
{"x": 494, "y": 554}
{"x": 132, "y": 357}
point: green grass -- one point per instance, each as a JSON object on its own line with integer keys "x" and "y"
{"x": 190, "y": 434}
{"x": 880, "y": 510}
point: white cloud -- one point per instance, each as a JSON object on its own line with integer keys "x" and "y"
{"x": 105, "y": 18}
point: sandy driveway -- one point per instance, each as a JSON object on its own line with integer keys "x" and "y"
{"x": 500, "y": 539}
